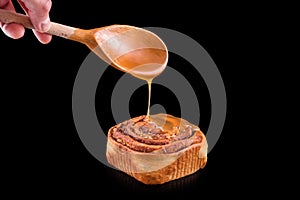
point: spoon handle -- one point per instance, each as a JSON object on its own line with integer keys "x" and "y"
{"x": 55, "y": 29}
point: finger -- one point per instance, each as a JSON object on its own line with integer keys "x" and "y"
{"x": 12, "y": 30}
{"x": 44, "y": 38}
{"x": 38, "y": 11}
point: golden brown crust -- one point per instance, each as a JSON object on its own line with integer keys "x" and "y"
{"x": 167, "y": 157}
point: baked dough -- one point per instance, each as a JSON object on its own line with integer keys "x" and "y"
{"x": 156, "y": 149}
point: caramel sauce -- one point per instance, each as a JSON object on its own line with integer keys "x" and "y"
{"x": 163, "y": 133}
{"x": 145, "y": 64}
{"x": 149, "y": 97}
{"x": 171, "y": 124}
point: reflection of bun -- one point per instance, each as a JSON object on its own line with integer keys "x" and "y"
{"x": 155, "y": 152}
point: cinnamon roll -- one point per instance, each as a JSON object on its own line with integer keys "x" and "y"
{"x": 156, "y": 149}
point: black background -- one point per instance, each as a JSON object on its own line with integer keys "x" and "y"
{"x": 44, "y": 152}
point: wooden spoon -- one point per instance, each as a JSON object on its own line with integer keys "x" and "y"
{"x": 130, "y": 49}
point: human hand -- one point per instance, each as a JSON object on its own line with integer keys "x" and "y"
{"x": 38, "y": 12}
